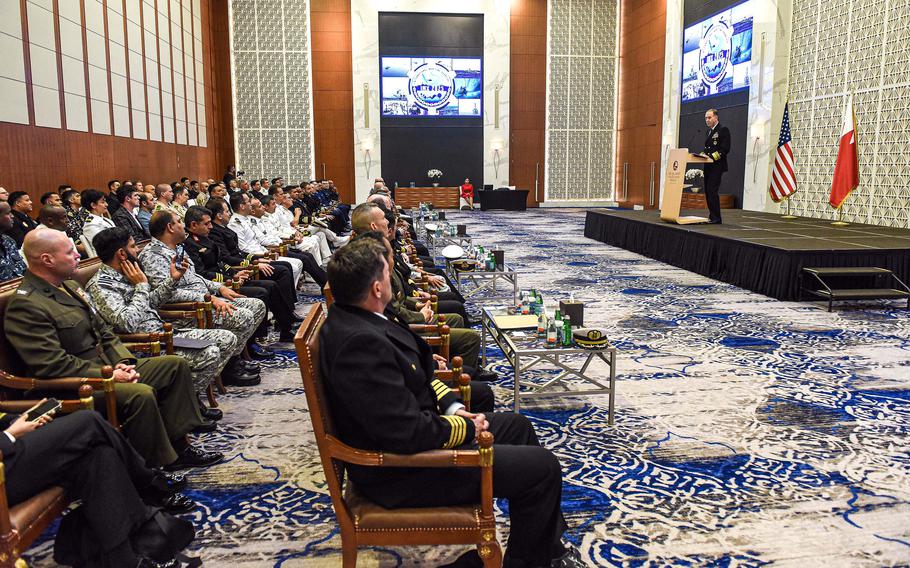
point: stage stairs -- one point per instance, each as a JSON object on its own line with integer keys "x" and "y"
{"x": 830, "y": 283}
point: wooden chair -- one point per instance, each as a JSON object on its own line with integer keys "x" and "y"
{"x": 204, "y": 315}
{"x": 150, "y": 343}
{"x": 364, "y": 523}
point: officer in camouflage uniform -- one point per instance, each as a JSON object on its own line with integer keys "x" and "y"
{"x": 121, "y": 293}
{"x": 238, "y": 314}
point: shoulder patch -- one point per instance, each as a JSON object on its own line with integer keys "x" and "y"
{"x": 22, "y": 292}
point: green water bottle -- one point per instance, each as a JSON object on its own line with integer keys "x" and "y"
{"x": 567, "y": 331}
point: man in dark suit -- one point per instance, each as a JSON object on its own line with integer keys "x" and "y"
{"x": 717, "y": 146}
{"x": 21, "y": 205}
{"x": 125, "y": 216}
{"x": 383, "y": 396}
{"x": 82, "y": 453}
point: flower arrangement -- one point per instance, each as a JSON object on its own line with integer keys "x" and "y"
{"x": 693, "y": 174}
{"x": 434, "y": 173}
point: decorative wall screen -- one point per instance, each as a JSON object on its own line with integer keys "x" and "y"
{"x": 581, "y": 87}
{"x": 858, "y": 45}
{"x": 272, "y": 85}
{"x": 131, "y": 68}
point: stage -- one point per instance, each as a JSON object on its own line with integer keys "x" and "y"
{"x": 757, "y": 251}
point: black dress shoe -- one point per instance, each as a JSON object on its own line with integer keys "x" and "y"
{"x": 149, "y": 563}
{"x": 570, "y": 559}
{"x": 249, "y": 367}
{"x": 177, "y": 504}
{"x": 260, "y": 352}
{"x": 206, "y": 426}
{"x": 213, "y": 414}
{"x": 715, "y": 222}
{"x": 240, "y": 379}
{"x": 194, "y": 457}
{"x": 165, "y": 483}
{"x": 485, "y": 376}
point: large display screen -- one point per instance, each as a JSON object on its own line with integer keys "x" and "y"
{"x": 717, "y": 52}
{"x": 431, "y": 86}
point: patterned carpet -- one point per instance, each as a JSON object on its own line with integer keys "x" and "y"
{"x": 748, "y": 431}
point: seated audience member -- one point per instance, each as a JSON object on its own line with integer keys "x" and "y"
{"x": 52, "y": 217}
{"x": 269, "y": 232}
{"x": 76, "y": 216}
{"x": 121, "y": 292}
{"x": 395, "y": 408}
{"x": 228, "y": 243}
{"x": 21, "y": 205}
{"x": 283, "y": 206}
{"x": 51, "y": 198}
{"x": 4, "y": 195}
{"x": 146, "y": 208}
{"x": 112, "y": 203}
{"x": 82, "y": 453}
{"x": 256, "y": 189}
{"x": 202, "y": 193}
{"x": 95, "y": 203}
{"x": 179, "y": 203}
{"x": 11, "y": 263}
{"x": 57, "y": 333}
{"x": 164, "y": 196}
{"x": 234, "y": 312}
{"x": 209, "y": 262}
{"x": 251, "y": 242}
{"x": 126, "y": 217}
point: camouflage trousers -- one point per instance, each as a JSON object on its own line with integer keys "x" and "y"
{"x": 206, "y": 363}
{"x": 248, "y": 314}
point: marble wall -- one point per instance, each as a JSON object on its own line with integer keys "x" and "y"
{"x": 365, "y": 47}
{"x": 581, "y": 92}
{"x": 839, "y": 46}
{"x": 270, "y": 57}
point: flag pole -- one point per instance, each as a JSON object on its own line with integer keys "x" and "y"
{"x": 840, "y": 208}
{"x": 840, "y": 218}
{"x": 788, "y": 215}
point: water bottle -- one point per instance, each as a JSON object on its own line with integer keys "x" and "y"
{"x": 551, "y": 334}
{"x": 567, "y": 331}
{"x": 542, "y": 325}
{"x": 557, "y": 319}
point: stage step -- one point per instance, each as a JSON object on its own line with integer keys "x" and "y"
{"x": 878, "y": 277}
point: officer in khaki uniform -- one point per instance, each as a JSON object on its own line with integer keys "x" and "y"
{"x": 58, "y": 333}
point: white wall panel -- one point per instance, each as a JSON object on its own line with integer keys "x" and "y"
{"x": 13, "y": 101}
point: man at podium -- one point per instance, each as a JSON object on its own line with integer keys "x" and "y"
{"x": 717, "y": 146}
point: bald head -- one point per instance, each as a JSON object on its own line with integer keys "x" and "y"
{"x": 38, "y": 243}
{"x": 53, "y": 217}
{"x": 51, "y": 255}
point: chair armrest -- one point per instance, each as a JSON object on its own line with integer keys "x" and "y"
{"x": 482, "y": 457}
{"x": 104, "y": 384}
{"x": 150, "y": 343}
{"x": 84, "y": 402}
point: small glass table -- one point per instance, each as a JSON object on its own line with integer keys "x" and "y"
{"x": 436, "y": 244}
{"x": 524, "y": 350}
{"x": 471, "y": 282}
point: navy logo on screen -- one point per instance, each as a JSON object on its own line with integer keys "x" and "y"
{"x": 431, "y": 85}
{"x": 714, "y": 53}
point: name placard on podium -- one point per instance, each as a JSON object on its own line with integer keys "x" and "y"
{"x": 674, "y": 182}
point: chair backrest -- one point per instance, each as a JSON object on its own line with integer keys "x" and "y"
{"x": 327, "y": 294}
{"x": 307, "y": 344}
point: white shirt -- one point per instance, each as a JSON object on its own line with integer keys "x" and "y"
{"x": 284, "y": 230}
{"x": 92, "y": 227}
{"x": 246, "y": 237}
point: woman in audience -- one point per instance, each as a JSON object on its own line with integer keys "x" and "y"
{"x": 95, "y": 203}
{"x": 467, "y": 194}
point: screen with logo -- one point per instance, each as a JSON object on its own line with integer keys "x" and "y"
{"x": 717, "y": 52}
{"x": 431, "y": 86}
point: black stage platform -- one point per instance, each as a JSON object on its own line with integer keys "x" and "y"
{"x": 757, "y": 251}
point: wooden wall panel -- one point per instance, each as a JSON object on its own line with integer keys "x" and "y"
{"x": 333, "y": 96}
{"x": 37, "y": 159}
{"x": 640, "y": 109}
{"x": 527, "y": 94}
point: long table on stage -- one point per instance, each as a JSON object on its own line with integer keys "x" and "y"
{"x": 758, "y": 251}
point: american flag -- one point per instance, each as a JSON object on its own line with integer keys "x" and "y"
{"x": 783, "y": 178}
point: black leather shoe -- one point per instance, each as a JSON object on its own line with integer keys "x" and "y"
{"x": 260, "y": 352}
{"x": 485, "y": 376}
{"x": 177, "y": 504}
{"x": 570, "y": 559}
{"x": 213, "y": 414}
{"x": 206, "y": 426}
{"x": 168, "y": 483}
{"x": 149, "y": 563}
{"x": 240, "y": 379}
{"x": 249, "y": 367}
{"x": 194, "y": 457}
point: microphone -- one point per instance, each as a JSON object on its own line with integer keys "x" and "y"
{"x": 689, "y": 143}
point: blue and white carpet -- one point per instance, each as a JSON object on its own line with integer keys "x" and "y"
{"x": 748, "y": 431}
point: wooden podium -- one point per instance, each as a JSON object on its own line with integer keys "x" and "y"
{"x": 674, "y": 179}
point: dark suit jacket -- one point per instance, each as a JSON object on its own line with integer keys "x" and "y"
{"x": 227, "y": 242}
{"x": 382, "y": 394}
{"x": 717, "y": 146}
{"x": 22, "y": 225}
{"x": 125, "y": 220}
{"x": 206, "y": 257}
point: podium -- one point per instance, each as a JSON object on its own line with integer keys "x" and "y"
{"x": 674, "y": 179}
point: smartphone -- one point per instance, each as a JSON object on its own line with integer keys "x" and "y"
{"x": 179, "y": 259}
{"x": 47, "y": 407}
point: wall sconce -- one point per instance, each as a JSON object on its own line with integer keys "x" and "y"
{"x": 496, "y": 146}
{"x": 367, "y": 148}
{"x": 758, "y": 128}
